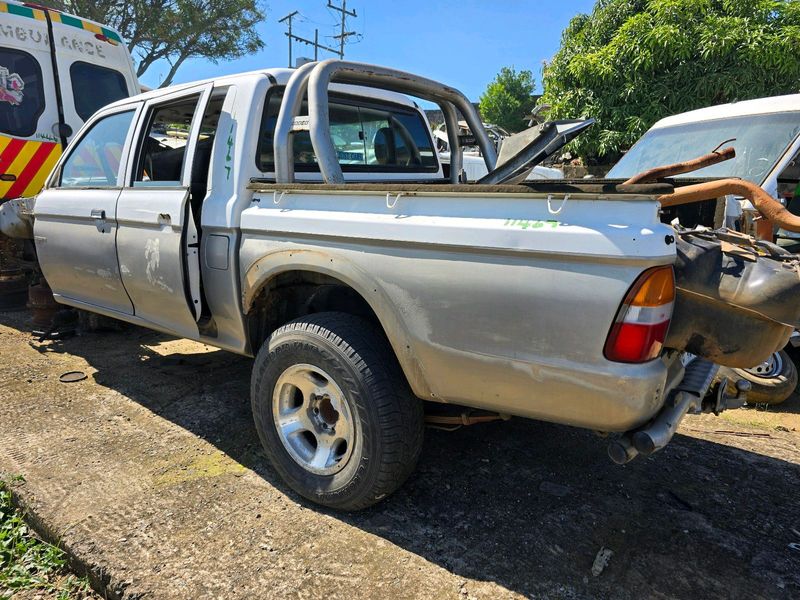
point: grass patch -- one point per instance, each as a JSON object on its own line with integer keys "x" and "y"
{"x": 28, "y": 563}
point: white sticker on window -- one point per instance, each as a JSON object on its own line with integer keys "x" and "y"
{"x": 11, "y": 86}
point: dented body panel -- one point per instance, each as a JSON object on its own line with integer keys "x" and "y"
{"x": 489, "y": 300}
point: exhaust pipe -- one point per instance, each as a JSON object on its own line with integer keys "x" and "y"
{"x": 772, "y": 210}
{"x": 687, "y": 396}
{"x": 717, "y": 156}
{"x": 621, "y": 450}
{"x": 660, "y": 432}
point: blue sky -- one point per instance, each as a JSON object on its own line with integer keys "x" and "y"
{"x": 459, "y": 42}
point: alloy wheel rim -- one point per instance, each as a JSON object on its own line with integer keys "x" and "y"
{"x": 313, "y": 419}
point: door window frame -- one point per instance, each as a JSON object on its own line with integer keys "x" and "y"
{"x": 54, "y": 181}
{"x": 142, "y": 129}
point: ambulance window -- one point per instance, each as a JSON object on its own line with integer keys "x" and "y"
{"x": 21, "y": 93}
{"x": 93, "y": 87}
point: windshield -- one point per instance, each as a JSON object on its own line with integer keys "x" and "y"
{"x": 760, "y": 141}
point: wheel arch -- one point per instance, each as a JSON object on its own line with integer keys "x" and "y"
{"x": 284, "y": 276}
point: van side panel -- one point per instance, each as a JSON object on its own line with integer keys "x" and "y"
{"x": 29, "y": 158}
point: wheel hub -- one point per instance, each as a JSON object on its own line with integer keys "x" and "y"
{"x": 313, "y": 419}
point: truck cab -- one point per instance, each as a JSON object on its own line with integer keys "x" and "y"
{"x": 765, "y": 134}
{"x": 144, "y": 212}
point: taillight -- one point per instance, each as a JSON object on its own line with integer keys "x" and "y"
{"x": 640, "y": 328}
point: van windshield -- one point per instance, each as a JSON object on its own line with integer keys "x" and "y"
{"x": 760, "y": 142}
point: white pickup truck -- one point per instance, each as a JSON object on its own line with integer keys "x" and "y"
{"x": 302, "y": 217}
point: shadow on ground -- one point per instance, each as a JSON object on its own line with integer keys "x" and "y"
{"x": 520, "y": 503}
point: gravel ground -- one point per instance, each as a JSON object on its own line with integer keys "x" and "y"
{"x": 151, "y": 475}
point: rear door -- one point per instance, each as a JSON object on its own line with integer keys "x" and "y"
{"x": 93, "y": 67}
{"x": 75, "y": 225}
{"x": 28, "y": 116}
{"x": 158, "y": 238}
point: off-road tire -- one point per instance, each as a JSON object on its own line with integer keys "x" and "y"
{"x": 765, "y": 390}
{"x": 389, "y": 421}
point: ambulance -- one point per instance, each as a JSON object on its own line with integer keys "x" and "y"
{"x": 56, "y": 70}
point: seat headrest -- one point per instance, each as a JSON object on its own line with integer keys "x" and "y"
{"x": 384, "y": 146}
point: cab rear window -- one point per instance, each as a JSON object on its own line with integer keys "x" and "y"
{"x": 94, "y": 86}
{"x": 366, "y": 136}
{"x": 21, "y": 93}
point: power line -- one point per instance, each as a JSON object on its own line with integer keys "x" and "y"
{"x": 315, "y": 43}
{"x": 342, "y": 37}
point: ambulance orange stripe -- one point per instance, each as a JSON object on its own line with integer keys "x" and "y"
{"x": 37, "y": 181}
{"x": 15, "y": 168}
{"x": 30, "y": 170}
{"x": 10, "y": 153}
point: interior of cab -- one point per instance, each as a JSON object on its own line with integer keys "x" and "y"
{"x": 164, "y": 149}
{"x": 367, "y": 136}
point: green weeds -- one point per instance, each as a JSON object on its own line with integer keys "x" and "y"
{"x": 28, "y": 563}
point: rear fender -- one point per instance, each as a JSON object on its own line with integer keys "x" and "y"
{"x": 263, "y": 270}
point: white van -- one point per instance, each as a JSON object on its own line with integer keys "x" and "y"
{"x": 765, "y": 133}
{"x": 56, "y": 70}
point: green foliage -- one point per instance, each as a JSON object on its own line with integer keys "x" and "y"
{"x": 632, "y": 62}
{"x": 508, "y": 99}
{"x": 176, "y": 30}
{"x": 27, "y": 563}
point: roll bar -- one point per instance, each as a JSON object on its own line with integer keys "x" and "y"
{"x": 315, "y": 79}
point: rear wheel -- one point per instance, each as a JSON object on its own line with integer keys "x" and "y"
{"x": 334, "y": 411}
{"x": 773, "y": 380}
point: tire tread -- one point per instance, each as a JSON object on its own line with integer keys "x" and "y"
{"x": 399, "y": 412}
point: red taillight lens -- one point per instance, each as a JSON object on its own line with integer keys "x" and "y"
{"x": 639, "y": 331}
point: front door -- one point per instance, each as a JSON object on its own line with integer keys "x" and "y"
{"x": 158, "y": 213}
{"x": 75, "y": 224}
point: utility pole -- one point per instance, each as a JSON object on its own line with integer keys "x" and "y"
{"x": 289, "y": 34}
{"x": 344, "y": 34}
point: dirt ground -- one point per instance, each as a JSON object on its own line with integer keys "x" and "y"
{"x": 151, "y": 475}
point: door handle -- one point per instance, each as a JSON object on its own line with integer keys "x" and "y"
{"x": 98, "y": 214}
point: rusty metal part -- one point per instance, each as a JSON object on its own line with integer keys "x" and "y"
{"x": 13, "y": 289}
{"x": 772, "y": 210}
{"x": 72, "y": 376}
{"x": 464, "y": 419}
{"x": 656, "y": 173}
{"x": 42, "y": 305}
{"x": 736, "y": 299}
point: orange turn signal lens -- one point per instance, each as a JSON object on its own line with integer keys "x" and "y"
{"x": 657, "y": 288}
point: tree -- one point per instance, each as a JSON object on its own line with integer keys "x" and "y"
{"x": 508, "y": 99}
{"x": 176, "y": 30}
{"x": 632, "y": 62}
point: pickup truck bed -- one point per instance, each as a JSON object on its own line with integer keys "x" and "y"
{"x": 537, "y": 281}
